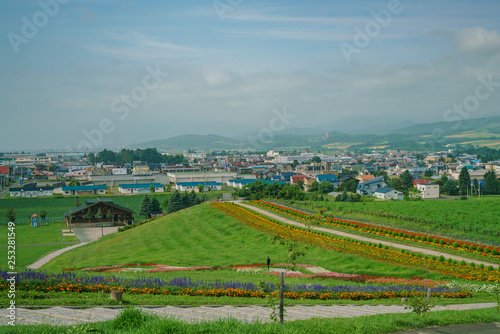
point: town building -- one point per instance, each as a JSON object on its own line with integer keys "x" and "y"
{"x": 141, "y": 188}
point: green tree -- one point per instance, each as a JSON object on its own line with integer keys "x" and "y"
{"x": 396, "y": 184}
{"x": 200, "y": 188}
{"x": 98, "y": 214}
{"x": 193, "y": 198}
{"x": 185, "y": 202}
{"x": 145, "y": 207}
{"x": 91, "y": 158}
{"x": 463, "y": 180}
{"x": 316, "y": 159}
{"x": 300, "y": 184}
{"x": 428, "y": 173}
{"x": 444, "y": 178}
{"x": 174, "y": 204}
{"x": 350, "y": 186}
{"x": 450, "y": 187}
{"x": 325, "y": 187}
{"x": 491, "y": 186}
{"x": 88, "y": 215}
{"x": 10, "y": 214}
{"x": 313, "y": 187}
{"x": 43, "y": 214}
{"x": 152, "y": 188}
{"x": 155, "y": 206}
{"x": 406, "y": 180}
{"x": 109, "y": 215}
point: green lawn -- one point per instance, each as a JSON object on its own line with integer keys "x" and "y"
{"x": 27, "y": 235}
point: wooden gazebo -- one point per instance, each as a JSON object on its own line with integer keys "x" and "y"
{"x": 112, "y": 214}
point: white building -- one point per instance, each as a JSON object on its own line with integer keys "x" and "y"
{"x": 141, "y": 188}
{"x": 428, "y": 190}
{"x": 188, "y": 186}
{"x": 119, "y": 171}
{"x": 31, "y": 192}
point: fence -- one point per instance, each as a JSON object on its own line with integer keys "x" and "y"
{"x": 27, "y": 221}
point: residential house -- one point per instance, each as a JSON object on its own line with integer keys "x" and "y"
{"x": 31, "y": 191}
{"x": 388, "y": 193}
{"x": 428, "y": 190}
{"x": 85, "y": 190}
{"x": 188, "y": 186}
{"x": 368, "y": 188}
{"x": 332, "y": 178}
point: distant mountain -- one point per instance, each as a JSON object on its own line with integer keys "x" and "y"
{"x": 378, "y": 136}
{"x": 491, "y": 124}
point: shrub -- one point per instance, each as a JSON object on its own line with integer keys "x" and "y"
{"x": 417, "y": 238}
{"x": 435, "y": 240}
{"x": 455, "y": 244}
{"x": 441, "y": 241}
{"x": 434, "y": 257}
{"x": 479, "y": 249}
{"x": 412, "y": 236}
{"x": 441, "y": 258}
{"x": 449, "y": 260}
{"x": 463, "y": 263}
{"x": 400, "y": 234}
{"x": 494, "y": 252}
{"x": 486, "y": 250}
{"x": 473, "y": 265}
{"x": 379, "y": 245}
{"x": 429, "y": 238}
{"x": 464, "y": 246}
{"x": 471, "y": 247}
{"x": 490, "y": 268}
{"x": 481, "y": 266}
{"x": 130, "y": 318}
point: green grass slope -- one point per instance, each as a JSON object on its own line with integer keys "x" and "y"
{"x": 205, "y": 236}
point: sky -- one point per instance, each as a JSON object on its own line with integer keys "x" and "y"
{"x": 92, "y": 74}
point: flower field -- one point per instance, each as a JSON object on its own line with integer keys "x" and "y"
{"x": 70, "y": 282}
{"x": 463, "y": 246}
{"x": 354, "y": 247}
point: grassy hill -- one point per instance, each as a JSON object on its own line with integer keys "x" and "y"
{"x": 205, "y": 236}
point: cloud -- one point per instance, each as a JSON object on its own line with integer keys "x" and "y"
{"x": 476, "y": 41}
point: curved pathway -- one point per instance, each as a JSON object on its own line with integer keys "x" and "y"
{"x": 362, "y": 238}
{"x": 71, "y": 315}
{"x": 86, "y": 235}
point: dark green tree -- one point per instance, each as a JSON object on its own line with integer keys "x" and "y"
{"x": 88, "y": 215}
{"x": 463, "y": 181}
{"x": 10, "y": 214}
{"x": 325, "y": 187}
{"x": 74, "y": 183}
{"x": 155, "y": 206}
{"x": 145, "y": 207}
{"x": 428, "y": 173}
{"x": 152, "y": 188}
{"x": 313, "y": 187}
{"x": 396, "y": 184}
{"x": 185, "y": 201}
{"x": 98, "y": 214}
{"x": 193, "y": 198}
{"x": 450, "y": 187}
{"x": 174, "y": 204}
{"x": 300, "y": 184}
{"x": 406, "y": 179}
{"x": 491, "y": 186}
{"x": 316, "y": 159}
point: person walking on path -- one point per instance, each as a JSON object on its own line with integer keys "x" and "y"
{"x": 268, "y": 262}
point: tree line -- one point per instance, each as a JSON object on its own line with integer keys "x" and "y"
{"x": 148, "y": 155}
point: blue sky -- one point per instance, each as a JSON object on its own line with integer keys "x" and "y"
{"x": 230, "y": 63}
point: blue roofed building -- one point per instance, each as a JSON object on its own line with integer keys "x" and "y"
{"x": 332, "y": 178}
{"x": 188, "y": 186}
{"x": 388, "y": 193}
{"x": 99, "y": 189}
{"x": 141, "y": 188}
{"x": 369, "y": 187}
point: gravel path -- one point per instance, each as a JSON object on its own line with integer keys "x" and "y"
{"x": 59, "y": 315}
{"x": 358, "y": 237}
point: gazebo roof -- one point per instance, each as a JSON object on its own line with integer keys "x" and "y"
{"x": 91, "y": 203}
